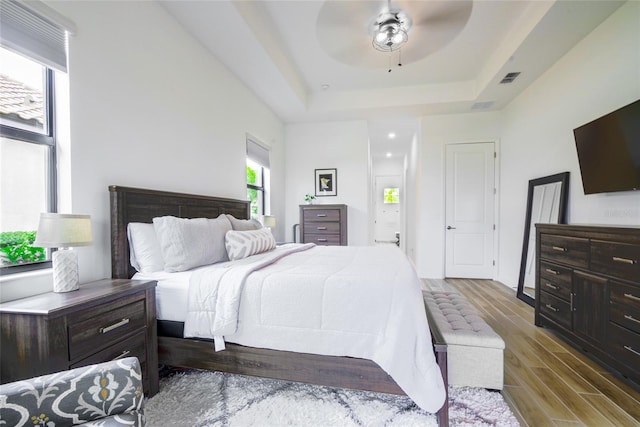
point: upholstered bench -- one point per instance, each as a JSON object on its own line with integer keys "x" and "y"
{"x": 474, "y": 351}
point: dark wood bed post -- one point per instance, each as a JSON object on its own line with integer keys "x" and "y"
{"x": 141, "y": 205}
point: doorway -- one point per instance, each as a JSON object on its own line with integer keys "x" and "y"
{"x": 470, "y": 210}
{"x": 388, "y": 209}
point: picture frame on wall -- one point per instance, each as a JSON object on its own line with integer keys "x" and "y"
{"x": 326, "y": 182}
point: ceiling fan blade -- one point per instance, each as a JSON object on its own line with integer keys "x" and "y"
{"x": 441, "y": 12}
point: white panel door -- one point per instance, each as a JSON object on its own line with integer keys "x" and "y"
{"x": 388, "y": 215}
{"x": 469, "y": 210}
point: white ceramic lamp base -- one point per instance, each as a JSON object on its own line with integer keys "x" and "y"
{"x": 65, "y": 270}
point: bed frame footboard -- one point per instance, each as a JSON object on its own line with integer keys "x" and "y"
{"x": 341, "y": 372}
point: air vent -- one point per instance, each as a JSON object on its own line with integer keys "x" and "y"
{"x": 482, "y": 105}
{"x": 509, "y": 78}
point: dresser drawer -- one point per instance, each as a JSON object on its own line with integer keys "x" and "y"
{"x": 112, "y": 323}
{"x": 322, "y": 239}
{"x": 555, "y": 309}
{"x": 616, "y": 259}
{"x": 625, "y": 305}
{"x": 572, "y": 251}
{"x": 555, "y": 280}
{"x": 322, "y": 227}
{"x": 321, "y": 215}
{"x": 624, "y": 346}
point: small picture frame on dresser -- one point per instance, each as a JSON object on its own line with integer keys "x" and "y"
{"x": 326, "y": 182}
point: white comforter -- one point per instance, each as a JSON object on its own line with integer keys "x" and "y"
{"x": 363, "y": 302}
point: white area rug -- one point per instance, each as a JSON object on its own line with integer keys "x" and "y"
{"x": 201, "y": 398}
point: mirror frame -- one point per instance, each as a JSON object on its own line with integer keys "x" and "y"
{"x": 563, "y": 178}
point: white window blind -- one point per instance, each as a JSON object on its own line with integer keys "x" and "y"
{"x": 35, "y": 30}
{"x": 257, "y": 153}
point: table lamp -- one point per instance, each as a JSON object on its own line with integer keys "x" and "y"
{"x": 269, "y": 221}
{"x": 64, "y": 231}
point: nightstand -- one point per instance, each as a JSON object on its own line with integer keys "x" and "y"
{"x": 103, "y": 320}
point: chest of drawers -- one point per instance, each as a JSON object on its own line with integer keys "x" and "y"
{"x": 588, "y": 288}
{"x": 323, "y": 224}
{"x": 103, "y": 320}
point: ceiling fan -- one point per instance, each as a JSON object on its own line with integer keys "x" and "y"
{"x": 347, "y": 30}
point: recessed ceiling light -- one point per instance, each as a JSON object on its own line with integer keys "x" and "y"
{"x": 325, "y": 86}
{"x": 391, "y": 135}
{"x": 388, "y": 154}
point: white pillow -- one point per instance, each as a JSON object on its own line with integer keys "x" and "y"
{"x": 241, "y": 244}
{"x": 244, "y": 224}
{"x": 144, "y": 249}
{"x": 189, "y": 243}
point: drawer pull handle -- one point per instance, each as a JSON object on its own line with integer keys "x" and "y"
{"x": 550, "y": 307}
{"x": 559, "y": 248}
{"x": 121, "y": 355}
{"x": 321, "y": 228}
{"x": 626, "y": 316}
{"x": 321, "y": 215}
{"x": 625, "y": 260}
{"x": 631, "y": 350}
{"x": 322, "y": 240}
{"x": 114, "y": 326}
{"x": 632, "y": 297}
{"x": 549, "y": 285}
{"x": 548, "y": 270}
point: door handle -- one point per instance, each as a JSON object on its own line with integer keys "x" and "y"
{"x": 450, "y": 227}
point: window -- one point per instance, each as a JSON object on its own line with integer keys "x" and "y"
{"x": 257, "y": 178}
{"x": 31, "y": 47}
{"x": 391, "y": 195}
{"x": 27, "y": 158}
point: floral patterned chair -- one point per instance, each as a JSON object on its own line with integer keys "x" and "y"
{"x": 105, "y": 394}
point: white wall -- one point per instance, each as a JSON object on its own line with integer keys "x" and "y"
{"x": 436, "y": 132}
{"x": 151, "y": 108}
{"x": 413, "y": 198}
{"x": 340, "y": 145}
{"x": 600, "y": 74}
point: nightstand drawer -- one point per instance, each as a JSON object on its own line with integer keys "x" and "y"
{"x": 133, "y": 346}
{"x": 105, "y": 328}
{"x": 616, "y": 259}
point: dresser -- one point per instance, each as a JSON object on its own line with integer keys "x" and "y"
{"x": 103, "y": 320}
{"x": 588, "y": 289}
{"x": 323, "y": 224}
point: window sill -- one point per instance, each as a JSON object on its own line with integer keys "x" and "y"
{"x": 25, "y": 284}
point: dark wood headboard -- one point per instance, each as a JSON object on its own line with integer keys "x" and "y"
{"x": 141, "y": 205}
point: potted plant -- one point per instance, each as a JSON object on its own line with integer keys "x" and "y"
{"x": 309, "y": 199}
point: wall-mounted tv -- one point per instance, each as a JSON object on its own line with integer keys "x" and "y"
{"x": 609, "y": 151}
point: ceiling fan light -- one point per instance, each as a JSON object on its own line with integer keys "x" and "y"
{"x": 399, "y": 37}
{"x": 381, "y": 37}
{"x": 390, "y": 31}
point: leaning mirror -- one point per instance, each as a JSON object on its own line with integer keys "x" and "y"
{"x": 546, "y": 203}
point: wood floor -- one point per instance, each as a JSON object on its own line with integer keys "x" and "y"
{"x": 547, "y": 382}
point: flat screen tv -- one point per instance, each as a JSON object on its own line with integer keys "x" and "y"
{"x": 609, "y": 151}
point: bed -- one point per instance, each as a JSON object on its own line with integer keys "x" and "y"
{"x": 131, "y": 205}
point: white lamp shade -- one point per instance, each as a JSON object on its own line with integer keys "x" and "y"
{"x": 63, "y": 231}
{"x": 269, "y": 221}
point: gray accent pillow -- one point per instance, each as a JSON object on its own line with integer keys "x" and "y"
{"x": 189, "y": 243}
{"x": 244, "y": 224}
{"x": 241, "y": 244}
